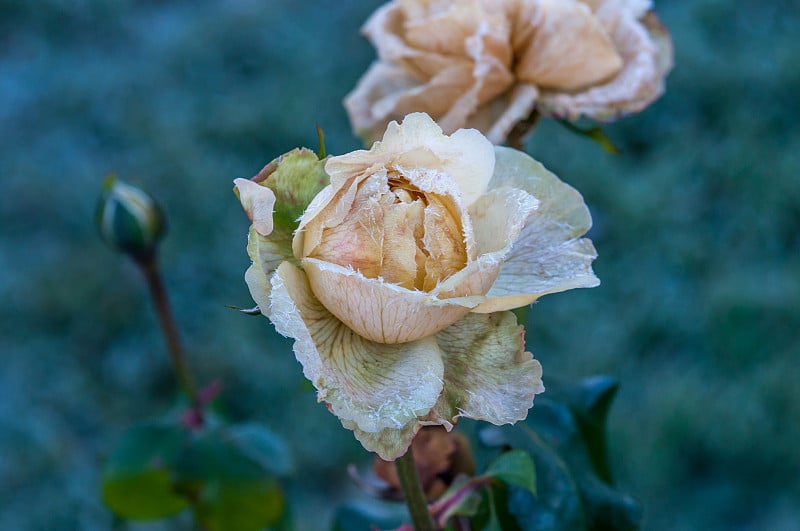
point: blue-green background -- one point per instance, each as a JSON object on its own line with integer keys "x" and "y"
{"x": 697, "y": 224}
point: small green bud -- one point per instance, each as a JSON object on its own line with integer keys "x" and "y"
{"x": 129, "y": 219}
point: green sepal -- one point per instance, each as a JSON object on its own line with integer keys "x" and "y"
{"x": 295, "y": 178}
{"x": 594, "y": 133}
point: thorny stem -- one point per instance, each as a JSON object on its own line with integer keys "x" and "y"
{"x": 149, "y": 267}
{"x": 421, "y": 518}
{"x": 516, "y": 138}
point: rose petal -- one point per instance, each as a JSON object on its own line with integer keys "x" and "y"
{"x": 497, "y": 219}
{"x": 389, "y": 443}
{"x": 548, "y": 256}
{"x": 646, "y": 49}
{"x": 374, "y": 386}
{"x": 258, "y": 201}
{"x": 267, "y": 253}
{"x": 560, "y": 45}
{"x": 487, "y": 373}
{"x": 258, "y": 284}
{"x": 378, "y": 310}
{"x": 466, "y": 155}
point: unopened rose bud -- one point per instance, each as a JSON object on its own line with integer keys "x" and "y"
{"x": 129, "y": 219}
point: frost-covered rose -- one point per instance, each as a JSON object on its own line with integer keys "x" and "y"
{"x": 488, "y": 63}
{"x": 397, "y": 279}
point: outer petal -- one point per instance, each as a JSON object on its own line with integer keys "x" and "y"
{"x": 259, "y": 202}
{"x": 389, "y": 443}
{"x": 380, "y": 311}
{"x": 561, "y": 45}
{"x": 267, "y": 253}
{"x": 549, "y": 256}
{"x": 372, "y": 385}
{"x": 487, "y": 373}
{"x": 497, "y": 219}
{"x": 646, "y": 49}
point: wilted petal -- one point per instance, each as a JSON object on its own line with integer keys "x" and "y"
{"x": 487, "y": 373}
{"x": 646, "y": 49}
{"x": 561, "y": 46}
{"x": 389, "y": 443}
{"x": 259, "y": 285}
{"x": 378, "y": 310}
{"x": 267, "y": 253}
{"x": 466, "y": 156}
{"x": 259, "y": 202}
{"x": 549, "y": 254}
{"x": 381, "y": 96}
{"x": 497, "y": 218}
{"x": 374, "y": 386}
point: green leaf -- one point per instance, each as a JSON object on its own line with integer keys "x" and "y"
{"x": 566, "y": 437}
{"x": 264, "y": 447}
{"x": 229, "y": 472}
{"x": 515, "y": 468}
{"x": 590, "y": 401}
{"x": 494, "y": 514}
{"x": 240, "y": 505}
{"x": 136, "y": 479}
{"x": 214, "y": 456}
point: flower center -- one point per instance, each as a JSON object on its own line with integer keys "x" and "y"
{"x": 394, "y": 231}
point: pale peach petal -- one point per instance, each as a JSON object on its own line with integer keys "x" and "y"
{"x": 267, "y": 253}
{"x": 488, "y": 374}
{"x": 561, "y": 46}
{"x": 373, "y": 385}
{"x": 497, "y": 218}
{"x": 549, "y": 254}
{"x": 646, "y": 49}
{"x": 259, "y": 286}
{"x": 259, "y": 202}
{"x": 378, "y": 310}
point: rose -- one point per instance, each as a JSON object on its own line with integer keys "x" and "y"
{"x": 400, "y": 273}
{"x": 488, "y": 64}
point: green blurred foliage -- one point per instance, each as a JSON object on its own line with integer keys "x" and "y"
{"x": 697, "y": 224}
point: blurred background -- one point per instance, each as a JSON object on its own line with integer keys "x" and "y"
{"x": 697, "y": 224}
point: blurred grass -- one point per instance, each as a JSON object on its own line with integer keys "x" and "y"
{"x": 697, "y": 224}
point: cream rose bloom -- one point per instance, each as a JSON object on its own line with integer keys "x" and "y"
{"x": 397, "y": 280}
{"x": 488, "y": 64}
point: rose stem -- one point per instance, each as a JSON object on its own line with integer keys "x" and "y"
{"x": 149, "y": 267}
{"x": 412, "y": 491}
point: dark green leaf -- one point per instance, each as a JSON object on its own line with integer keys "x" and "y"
{"x": 565, "y": 436}
{"x": 260, "y": 444}
{"x": 591, "y": 401}
{"x": 240, "y": 505}
{"x": 136, "y": 479}
{"x": 214, "y": 456}
{"x": 515, "y": 468}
